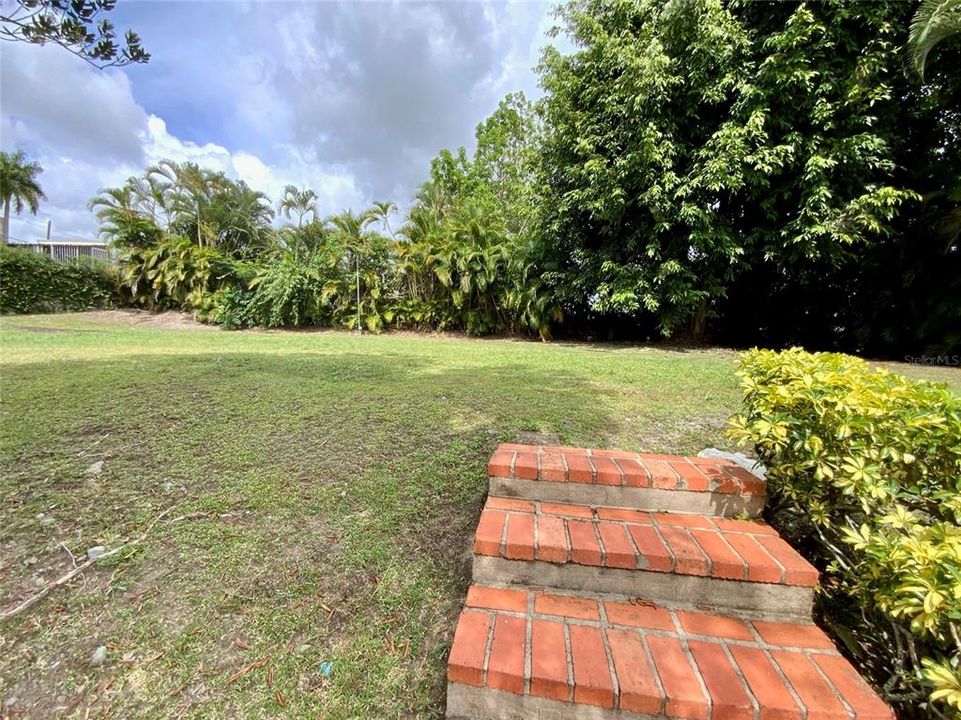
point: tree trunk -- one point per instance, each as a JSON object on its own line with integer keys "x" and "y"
{"x": 699, "y": 322}
{"x": 6, "y": 221}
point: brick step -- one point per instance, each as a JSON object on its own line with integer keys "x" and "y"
{"x": 525, "y": 654}
{"x": 735, "y": 565}
{"x": 661, "y": 483}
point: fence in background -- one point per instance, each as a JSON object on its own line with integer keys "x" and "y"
{"x": 66, "y": 251}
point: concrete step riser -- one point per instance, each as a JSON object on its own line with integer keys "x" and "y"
{"x": 473, "y": 703}
{"x": 647, "y": 499}
{"x": 761, "y": 600}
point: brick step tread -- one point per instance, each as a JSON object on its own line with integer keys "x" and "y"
{"x": 577, "y": 651}
{"x": 699, "y": 545}
{"x": 622, "y": 468}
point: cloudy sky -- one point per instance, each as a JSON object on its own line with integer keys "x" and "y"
{"x": 350, "y": 99}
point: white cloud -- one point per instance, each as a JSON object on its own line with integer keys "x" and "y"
{"x": 79, "y": 157}
{"x": 350, "y": 99}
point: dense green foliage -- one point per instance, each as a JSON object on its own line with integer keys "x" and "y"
{"x": 686, "y": 160}
{"x": 32, "y": 283}
{"x": 864, "y": 471}
{"x": 193, "y": 239}
{"x": 700, "y": 155}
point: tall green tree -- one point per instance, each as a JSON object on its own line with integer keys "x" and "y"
{"x": 689, "y": 143}
{"x": 298, "y": 202}
{"x": 19, "y": 188}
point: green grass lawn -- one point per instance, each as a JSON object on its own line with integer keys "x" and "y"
{"x": 330, "y": 484}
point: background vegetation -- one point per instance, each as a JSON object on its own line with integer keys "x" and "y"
{"x": 36, "y": 283}
{"x": 685, "y": 160}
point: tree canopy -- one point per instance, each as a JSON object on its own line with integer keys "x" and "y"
{"x": 79, "y": 26}
{"x": 742, "y": 172}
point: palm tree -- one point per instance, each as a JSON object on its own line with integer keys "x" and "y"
{"x": 124, "y": 219}
{"x": 18, "y": 187}
{"x": 299, "y": 202}
{"x": 351, "y": 231}
{"x": 934, "y": 22}
{"x": 381, "y": 212}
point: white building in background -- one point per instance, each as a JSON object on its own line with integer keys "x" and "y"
{"x": 64, "y": 251}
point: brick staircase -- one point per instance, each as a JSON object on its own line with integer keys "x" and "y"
{"x": 622, "y": 585}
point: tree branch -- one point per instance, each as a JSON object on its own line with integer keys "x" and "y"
{"x": 64, "y": 579}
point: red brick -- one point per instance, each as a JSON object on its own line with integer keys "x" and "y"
{"x": 490, "y": 529}
{"x": 548, "y": 660}
{"x": 495, "y": 502}
{"x": 625, "y": 514}
{"x": 635, "y": 676}
{"x": 714, "y": 473}
{"x": 551, "y": 539}
{"x": 606, "y": 471}
{"x": 552, "y": 467}
{"x": 480, "y": 596}
{"x": 566, "y": 606}
{"x": 689, "y": 559}
{"x": 797, "y": 570}
{"x": 706, "y": 462}
{"x": 566, "y": 510}
{"x": 725, "y": 563}
{"x": 654, "y": 554}
{"x": 816, "y": 695}
{"x": 729, "y": 698}
{"x": 754, "y": 527}
{"x": 638, "y": 615}
{"x": 725, "y": 483}
{"x": 505, "y": 668}
{"x": 525, "y": 465}
{"x": 715, "y": 626}
{"x": 579, "y": 468}
{"x": 692, "y": 478}
{"x": 662, "y": 476}
{"x": 747, "y": 483}
{"x": 584, "y": 547}
{"x": 691, "y": 521}
{"x": 792, "y": 635}
{"x": 857, "y": 693}
{"x": 466, "y": 662}
{"x": 611, "y": 453}
{"x": 592, "y": 675}
{"x": 685, "y": 698}
{"x": 761, "y": 567}
{"x": 520, "y": 537}
{"x": 500, "y": 464}
{"x": 618, "y": 550}
{"x": 635, "y": 475}
{"x": 515, "y": 447}
{"x": 767, "y": 685}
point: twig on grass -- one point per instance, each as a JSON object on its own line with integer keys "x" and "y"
{"x": 64, "y": 579}
{"x": 72, "y": 558}
{"x": 246, "y": 669}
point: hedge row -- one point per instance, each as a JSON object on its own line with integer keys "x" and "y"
{"x": 864, "y": 470}
{"x": 35, "y": 283}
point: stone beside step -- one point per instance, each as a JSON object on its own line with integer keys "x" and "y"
{"x": 521, "y": 654}
{"x": 644, "y": 481}
{"x": 732, "y": 565}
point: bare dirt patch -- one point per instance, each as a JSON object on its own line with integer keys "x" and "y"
{"x": 168, "y": 320}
